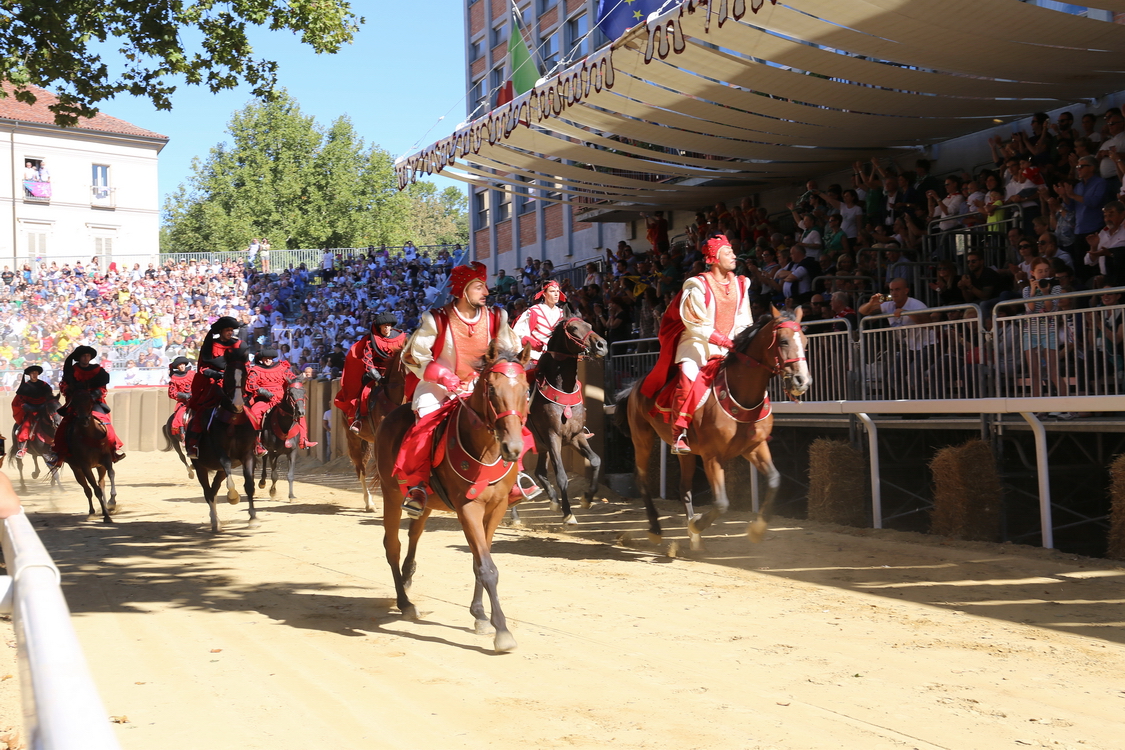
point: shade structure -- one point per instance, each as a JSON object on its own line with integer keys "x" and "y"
{"x": 709, "y": 95}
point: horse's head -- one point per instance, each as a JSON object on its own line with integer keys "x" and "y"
{"x": 502, "y": 386}
{"x": 576, "y": 337}
{"x": 295, "y": 398}
{"x": 79, "y": 404}
{"x": 778, "y": 344}
{"x": 234, "y": 376}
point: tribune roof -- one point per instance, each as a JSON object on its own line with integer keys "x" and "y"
{"x": 757, "y": 92}
{"x": 40, "y": 113}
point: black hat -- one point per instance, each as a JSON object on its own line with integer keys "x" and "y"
{"x": 178, "y": 361}
{"x": 79, "y": 351}
{"x": 225, "y": 322}
{"x": 267, "y": 353}
{"x": 27, "y": 370}
{"x": 385, "y": 319}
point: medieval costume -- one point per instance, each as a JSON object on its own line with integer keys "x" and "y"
{"x": 89, "y": 377}
{"x": 206, "y": 384}
{"x": 29, "y": 405}
{"x": 179, "y": 390}
{"x": 365, "y": 366}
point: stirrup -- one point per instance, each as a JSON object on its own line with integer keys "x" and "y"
{"x": 528, "y": 492}
{"x": 21, "y": 452}
{"x": 260, "y": 450}
{"x": 414, "y": 502}
{"x": 587, "y": 432}
{"x": 680, "y": 447}
{"x": 355, "y": 426}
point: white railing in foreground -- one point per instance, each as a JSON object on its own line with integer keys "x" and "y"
{"x": 61, "y": 706}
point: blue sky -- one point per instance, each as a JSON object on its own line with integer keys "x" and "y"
{"x": 403, "y": 71}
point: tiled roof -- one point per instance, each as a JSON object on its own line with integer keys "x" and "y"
{"x": 11, "y": 109}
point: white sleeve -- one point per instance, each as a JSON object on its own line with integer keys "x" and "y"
{"x": 694, "y": 313}
{"x": 522, "y": 327}
{"x": 419, "y": 349}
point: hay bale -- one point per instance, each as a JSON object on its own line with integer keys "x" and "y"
{"x": 1116, "y": 549}
{"x": 967, "y": 493}
{"x": 837, "y": 483}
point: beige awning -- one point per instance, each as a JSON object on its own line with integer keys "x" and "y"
{"x": 752, "y": 93}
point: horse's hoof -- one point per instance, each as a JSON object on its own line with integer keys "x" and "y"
{"x": 586, "y": 502}
{"x": 696, "y": 543}
{"x": 273, "y": 491}
{"x": 190, "y": 474}
{"x": 261, "y": 484}
{"x": 654, "y": 537}
{"x": 292, "y": 498}
{"x": 253, "y": 523}
{"x": 570, "y": 520}
{"x": 410, "y": 612}
{"x": 484, "y": 627}
{"x": 691, "y": 527}
{"x": 555, "y": 506}
{"x": 107, "y": 519}
{"x": 756, "y": 530}
{"x": 504, "y": 643}
{"x": 673, "y": 549}
{"x": 232, "y": 497}
{"x": 35, "y": 474}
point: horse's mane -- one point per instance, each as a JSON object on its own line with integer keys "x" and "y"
{"x": 743, "y": 340}
{"x": 506, "y": 352}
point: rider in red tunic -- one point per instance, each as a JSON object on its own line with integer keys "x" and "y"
{"x": 266, "y": 381}
{"x": 80, "y": 374}
{"x": 365, "y": 366}
{"x": 206, "y": 385}
{"x": 697, "y": 331}
{"x": 31, "y": 398}
{"x": 179, "y": 390}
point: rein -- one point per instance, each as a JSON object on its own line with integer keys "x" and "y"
{"x": 511, "y": 370}
{"x": 582, "y": 343}
{"x": 779, "y": 364}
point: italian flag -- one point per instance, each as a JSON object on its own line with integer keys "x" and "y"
{"x": 522, "y": 70}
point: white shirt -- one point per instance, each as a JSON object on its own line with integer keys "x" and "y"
{"x": 849, "y": 220}
{"x": 915, "y": 339}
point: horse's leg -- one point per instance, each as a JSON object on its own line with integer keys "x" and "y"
{"x": 210, "y": 487}
{"x": 81, "y": 477}
{"x": 472, "y": 517}
{"x": 543, "y": 471}
{"x": 716, "y": 476}
{"x": 292, "y": 469}
{"x": 34, "y": 465}
{"x": 19, "y": 465}
{"x": 265, "y": 466}
{"x": 271, "y": 460}
{"x": 413, "y": 536}
{"x": 99, "y": 490}
{"x": 112, "y": 473}
{"x": 248, "y": 485}
{"x": 595, "y": 460}
{"x": 761, "y": 459}
{"x": 643, "y": 436}
{"x": 392, "y": 514}
{"x": 555, "y": 447}
{"x": 687, "y": 497}
{"x": 228, "y": 473}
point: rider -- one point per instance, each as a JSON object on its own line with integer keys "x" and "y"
{"x": 179, "y": 390}
{"x": 266, "y": 382}
{"x": 442, "y": 354}
{"x": 366, "y": 365}
{"x": 31, "y": 398}
{"x": 206, "y": 385}
{"x": 80, "y": 374}
{"x": 709, "y": 312}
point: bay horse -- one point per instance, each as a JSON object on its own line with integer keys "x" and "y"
{"x": 280, "y": 425}
{"x": 40, "y": 443}
{"x": 733, "y": 421}
{"x": 171, "y": 441}
{"x": 485, "y": 429}
{"x": 228, "y": 440}
{"x": 88, "y": 451}
{"x": 557, "y": 414}
{"x": 388, "y": 394}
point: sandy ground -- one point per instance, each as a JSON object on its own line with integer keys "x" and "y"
{"x": 820, "y": 637}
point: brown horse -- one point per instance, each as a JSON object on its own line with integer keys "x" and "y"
{"x": 730, "y": 423}
{"x": 89, "y": 450}
{"x": 280, "y": 425}
{"x": 387, "y": 395}
{"x": 485, "y": 429}
{"x": 553, "y": 421}
{"x": 39, "y": 444}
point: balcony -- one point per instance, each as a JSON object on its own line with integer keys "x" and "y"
{"x": 103, "y": 197}
{"x": 35, "y": 191}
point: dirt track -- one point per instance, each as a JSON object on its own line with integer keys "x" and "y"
{"x": 821, "y": 637}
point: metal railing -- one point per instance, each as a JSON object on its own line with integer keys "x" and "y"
{"x": 62, "y": 709}
{"x": 830, "y": 357}
{"x": 102, "y": 196}
{"x": 628, "y": 362}
{"x": 989, "y": 239}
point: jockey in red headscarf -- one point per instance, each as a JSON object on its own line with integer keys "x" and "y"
{"x": 179, "y": 390}
{"x": 710, "y": 310}
{"x": 28, "y": 404}
{"x": 365, "y": 366}
{"x": 206, "y": 385}
{"x": 80, "y": 374}
{"x": 535, "y": 325}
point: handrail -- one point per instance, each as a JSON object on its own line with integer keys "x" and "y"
{"x": 1020, "y": 301}
{"x": 62, "y": 709}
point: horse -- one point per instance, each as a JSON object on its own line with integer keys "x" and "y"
{"x": 39, "y": 444}
{"x": 89, "y": 450}
{"x": 723, "y": 427}
{"x": 484, "y": 428}
{"x": 227, "y": 441}
{"x": 557, "y": 414}
{"x": 171, "y": 441}
{"x": 281, "y": 425}
{"x": 389, "y": 393}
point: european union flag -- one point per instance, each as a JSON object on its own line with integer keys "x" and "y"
{"x": 615, "y": 17}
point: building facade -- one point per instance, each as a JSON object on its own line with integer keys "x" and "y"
{"x": 508, "y": 228}
{"x": 77, "y": 192}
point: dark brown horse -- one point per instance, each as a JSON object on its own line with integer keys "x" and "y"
{"x": 228, "y": 441}
{"x": 554, "y": 421}
{"x": 88, "y": 451}
{"x": 728, "y": 424}
{"x": 388, "y": 394}
{"x": 485, "y": 430}
{"x": 39, "y": 444}
{"x": 281, "y": 424}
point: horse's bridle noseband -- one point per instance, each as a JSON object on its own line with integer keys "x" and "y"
{"x": 582, "y": 343}
{"x": 511, "y": 370}
{"x": 779, "y": 364}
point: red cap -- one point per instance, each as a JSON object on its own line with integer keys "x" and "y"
{"x": 462, "y": 275}
{"x": 712, "y": 248}
{"x": 547, "y": 285}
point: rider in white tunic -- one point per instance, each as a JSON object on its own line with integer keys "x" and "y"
{"x": 534, "y": 327}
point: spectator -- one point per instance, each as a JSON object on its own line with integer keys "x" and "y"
{"x": 1086, "y": 199}
{"x": 1107, "y": 247}
{"x": 1040, "y": 335}
{"x": 981, "y": 283}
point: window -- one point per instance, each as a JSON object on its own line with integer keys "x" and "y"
{"x": 546, "y": 5}
{"x": 550, "y": 192}
{"x": 525, "y": 203}
{"x": 497, "y": 79}
{"x": 101, "y": 194}
{"x": 549, "y": 52}
{"x": 500, "y": 35}
{"x": 36, "y": 244}
{"x": 480, "y": 207}
{"x": 36, "y": 180}
{"x": 478, "y": 96}
{"x": 577, "y": 42}
{"x": 476, "y": 49}
{"x": 504, "y": 210}
{"x": 103, "y": 246}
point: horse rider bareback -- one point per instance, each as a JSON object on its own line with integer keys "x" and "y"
{"x": 79, "y": 373}
{"x": 365, "y": 367}
{"x": 206, "y": 384}
{"x": 266, "y": 381}
{"x": 697, "y": 331}
{"x": 441, "y": 356}
{"x": 29, "y": 407}
{"x": 179, "y": 390}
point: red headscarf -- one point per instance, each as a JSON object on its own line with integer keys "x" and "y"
{"x": 712, "y": 248}
{"x": 462, "y": 275}
{"x": 547, "y": 285}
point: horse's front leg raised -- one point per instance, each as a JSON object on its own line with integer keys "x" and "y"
{"x": 719, "y": 505}
{"x": 265, "y": 467}
{"x": 761, "y": 459}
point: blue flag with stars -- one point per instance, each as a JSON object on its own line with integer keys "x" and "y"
{"x": 615, "y": 17}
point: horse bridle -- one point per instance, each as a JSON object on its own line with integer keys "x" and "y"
{"x": 779, "y": 364}
{"x": 511, "y": 370}
{"x": 582, "y": 343}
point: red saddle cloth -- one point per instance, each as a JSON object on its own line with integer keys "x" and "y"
{"x": 665, "y": 404}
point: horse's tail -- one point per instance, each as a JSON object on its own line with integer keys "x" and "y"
{"x": 166, "y": 431}
{"x": 621, "y": 411}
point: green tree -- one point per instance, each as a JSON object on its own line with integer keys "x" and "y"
{"x": 437, "y": 218}
{"x": 59, "y": 45}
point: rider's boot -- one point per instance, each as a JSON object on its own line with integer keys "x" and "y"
{"x": 259, "y": 449}
{"x": 191, "y": 445}
{"x": 524, "y": 488}
{"x": 586, "y": 433}
{"x": 681, "y": 446}
{"x": 21, "y": 449}
{"x": 414, "y": 502}
{"x": 118, "y": 455}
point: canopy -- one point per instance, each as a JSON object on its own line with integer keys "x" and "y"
{"x": 753, "y": 92}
